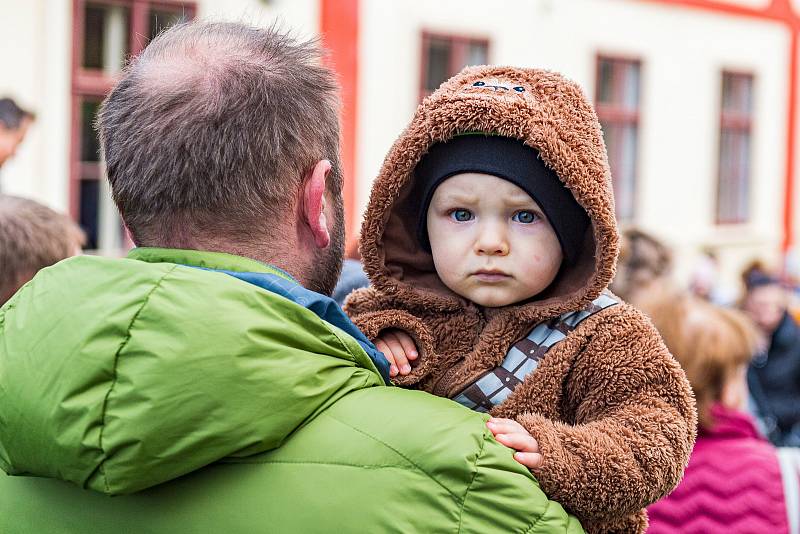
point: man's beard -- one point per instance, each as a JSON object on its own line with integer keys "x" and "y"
{"x": 327, "y": 266}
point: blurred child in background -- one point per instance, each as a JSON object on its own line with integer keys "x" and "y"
{"x": 736, "y": 481}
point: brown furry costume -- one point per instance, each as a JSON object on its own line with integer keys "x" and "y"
{"x": 610, "y": 408}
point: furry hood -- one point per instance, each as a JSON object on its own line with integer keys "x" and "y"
{"x": 544, "y": 110}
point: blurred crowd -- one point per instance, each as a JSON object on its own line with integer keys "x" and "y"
{"x": 743, "y": 362}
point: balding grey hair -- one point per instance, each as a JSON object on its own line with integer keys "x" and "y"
{"x": 211, "y": 130}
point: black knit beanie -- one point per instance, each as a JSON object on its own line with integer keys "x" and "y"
{"x": 511, "y": 160}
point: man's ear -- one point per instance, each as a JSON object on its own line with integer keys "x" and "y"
{"x": 313, "y": 210}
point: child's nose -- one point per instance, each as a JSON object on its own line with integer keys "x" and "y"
{"x": 491, "y": 242}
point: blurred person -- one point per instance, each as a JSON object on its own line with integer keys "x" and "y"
{"x": 774, "y": 375}
{"x": 704, "y": 280}
{"x": 644, "y": 268}
{"x": 14, "y": 124}
{"x": 208, "y": 381}
{"x": 736, "y": 481}
{"x": 490, "y": 240}
{"x": 32, "y": 237}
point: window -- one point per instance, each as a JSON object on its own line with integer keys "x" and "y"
{"x": 444, "y": 55}
{"x": 106, "y": 34}
{"x": 617, "y": 103}
{"x": 736, "y": 122}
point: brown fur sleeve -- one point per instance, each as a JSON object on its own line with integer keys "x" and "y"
{"x": 635, "y": 424}
{"x": 372, "y": 314}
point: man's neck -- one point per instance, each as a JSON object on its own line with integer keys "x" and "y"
{"x": 285, "y": 261}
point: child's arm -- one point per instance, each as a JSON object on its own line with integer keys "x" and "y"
{"x": 376, "y": 315}
{"x": 634, "y": 422}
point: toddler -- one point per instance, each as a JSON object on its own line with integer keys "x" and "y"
{"x": 490, "y": 240}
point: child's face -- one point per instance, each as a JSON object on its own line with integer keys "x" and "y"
{"x": 491, "y": 242}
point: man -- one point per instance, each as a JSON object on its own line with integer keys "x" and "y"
{"x": 774, "y": 375}
{"x": 205, "y": 380}
{"x": 14, "y": 124}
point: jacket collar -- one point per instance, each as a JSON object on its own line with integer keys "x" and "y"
{"x": 271, "y": 279}
{"x": 203, "y": 258}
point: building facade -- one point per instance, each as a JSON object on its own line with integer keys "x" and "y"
{"x": 696, "y": 97}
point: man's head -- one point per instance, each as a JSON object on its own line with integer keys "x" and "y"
{"x": 14, "y": 124}
{"x": 32, "y": 237}
{"x": 226, "y": 137}
{"x": 766, "y": 301}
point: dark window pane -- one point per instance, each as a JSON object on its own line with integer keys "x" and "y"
{"x": 618, "y": 89}
{"x": 734, "y": 172}
{"x": 93, "y": 37}
{"x": 630, "y": 88}
{"x": 622, "y": 145}
{"x": 625, "y": 182}
{"x": 439, "y": 51}
{"x": 105, "y": 37}
{"x": 89, "y": 142}
{"x": 605, "y": 81}
{"x": 733, "y": 188}
{"x": 737, "y": 93}
{"x": 89, "y": 211}
{"x": 161, "y": 19}
{"x": 727, "y": 92}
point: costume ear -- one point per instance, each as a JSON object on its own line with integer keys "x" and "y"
{"x": 313, "y": 212}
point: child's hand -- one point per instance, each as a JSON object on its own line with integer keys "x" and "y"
{"x": 399, "y": 348}
{"x": 513, "y": 435}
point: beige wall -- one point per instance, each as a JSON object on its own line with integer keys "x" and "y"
{"x": 683, "y": 53}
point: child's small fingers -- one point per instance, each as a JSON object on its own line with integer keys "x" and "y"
{"x": 384, "y": 348}
{"x": 408, "y": 345}
{"x": 505, "y": 426}
{"x": 519, "y": 442}
{"x": 400, "y": 359}
{"x": 507, "y": 423}
{"x": 531, "y": 460}
{"x": 387, "y": 352}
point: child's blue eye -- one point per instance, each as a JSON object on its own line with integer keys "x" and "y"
{"x": 524, "y": 217}
{"x": 519, "y": 89}
{"x": 479, "y": 84}
{"x": 462, "y": 215}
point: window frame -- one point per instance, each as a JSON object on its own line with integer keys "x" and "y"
{"x": 90, "y": 83}
{"x": 459, "y": 44}
{"x": 732, "y": 121}
{"x": 616, "y": 114}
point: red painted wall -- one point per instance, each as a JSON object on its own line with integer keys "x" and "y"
{"x": 339, "y": 26}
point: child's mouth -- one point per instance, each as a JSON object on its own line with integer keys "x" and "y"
{"x": 491, "y": 276}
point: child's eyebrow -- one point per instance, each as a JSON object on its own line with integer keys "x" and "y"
{"x": 522, "y": 201}
{"x": 464, "y": 198}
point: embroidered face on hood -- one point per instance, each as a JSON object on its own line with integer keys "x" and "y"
{"x": 541, "y": 109}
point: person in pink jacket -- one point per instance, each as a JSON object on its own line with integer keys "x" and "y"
{"x": 736, "y": 481}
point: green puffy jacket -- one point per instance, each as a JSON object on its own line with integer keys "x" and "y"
{"x": 144, "y": 395}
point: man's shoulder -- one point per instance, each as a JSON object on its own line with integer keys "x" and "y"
{"x": 380, "y": 427}
{"x": 116, "y": 298}
{"x": 411, "y": 421}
